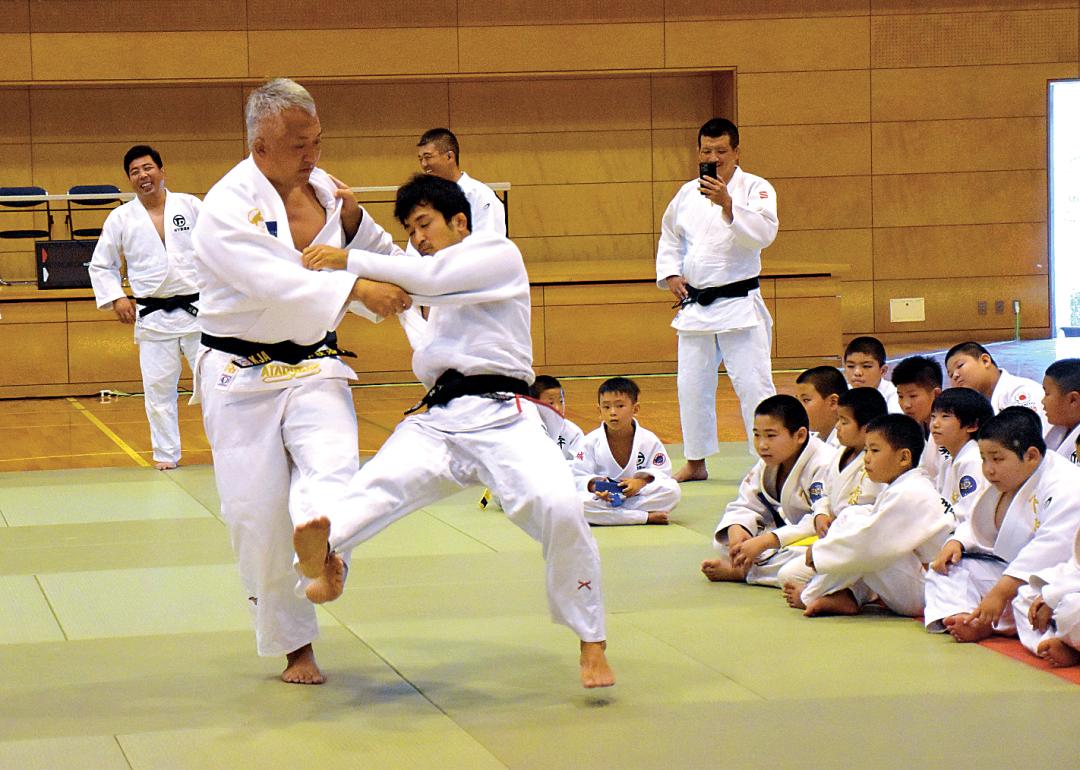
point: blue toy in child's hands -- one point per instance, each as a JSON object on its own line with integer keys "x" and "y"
{"x": 612, "y": 486}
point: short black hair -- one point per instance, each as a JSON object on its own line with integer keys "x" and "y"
{"x": 543, "y": 382}
{"x": 870, "y": 346}
{"x": 139, "y": 151}
{"x": 1066, "y": 373}
{"x": 865, "y": 404}
{"x": 443, "y": 137}
{"x": 715, "y": 128}
{"x": 1016, "y": 428}
{"x": 918, "y": 370}
{"x": 969, "y": 348}
{"x": 787, "y": 409}
{"x": 900, "y": 432}
{"x": 969, "y": 406}
{"x": 826, "y": 380}
{"x": 424, "y": 189}
{"x": 619, "y": 385}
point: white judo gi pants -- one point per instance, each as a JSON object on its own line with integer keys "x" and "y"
{"x": 1065, "y": 626}
{"x": 281, "y": 457}
{"x": 768, "y": 566}
{"x": 420, "y": 464}
{"x": 160, "y": 363}
{"x": 900, "y": 586}
{"x": 747, "y": 354}
{"x": 658, "y": 495}
{"x": 961, "y": 591}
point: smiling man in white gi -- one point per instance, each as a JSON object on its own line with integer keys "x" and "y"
{"x": 152, "y": 234}
{"x": 709, "y": 257}
{"x": 276, "y": 402}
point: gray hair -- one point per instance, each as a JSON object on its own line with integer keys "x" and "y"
{"x": 270, "y": 100}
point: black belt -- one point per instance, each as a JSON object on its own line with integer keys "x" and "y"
{"x": 453, "y": 384}
{"x": 148, "y": 305}
{"x": 710, "y": 294}
{"x": 258, "y": 353}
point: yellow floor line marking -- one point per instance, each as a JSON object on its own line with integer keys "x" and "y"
{"x": 139, "y": 460}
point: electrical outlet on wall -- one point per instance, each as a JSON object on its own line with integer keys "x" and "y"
{"x": 999, "y": 306}
{"x": 982, "y": 307}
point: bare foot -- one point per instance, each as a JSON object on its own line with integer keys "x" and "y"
{"x": 1058, "y": 654}
{"x": 301, "y": 667}
{"x": 657, "y": 517}
{"x": 330, "y": 584}
{"x": 720, "y": 570}
{"x": 793, "y": 595}
{"x": 962, "y": 631}
{"x": 311, "y": 541}
{"x": 694, "y": 470}
{"x": 595, "y": 671}
{"x": 164, "y": 466}
{"x": 839, "y": 603}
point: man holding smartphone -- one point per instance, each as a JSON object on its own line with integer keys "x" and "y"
{"x": 709, "y": 257}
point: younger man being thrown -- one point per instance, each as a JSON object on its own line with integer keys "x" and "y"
{"x": 775, "y": 497}
{"x": 622, "y": 451}
{"x": 477, "y": 359}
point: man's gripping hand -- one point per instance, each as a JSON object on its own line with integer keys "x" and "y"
{"x": 323, "y": 257}
{"x": 677, "y": 285}
{"x": 351, "y": 213}
{"x": 125, "y": 310}
{"x": 385, "y": 299}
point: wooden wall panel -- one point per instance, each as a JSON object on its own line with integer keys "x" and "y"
{"x": 483, "y": 13}
{"x": 695, "y": 10}
{"x": 850, "y": 247}
{"x": 586, "y": 248}
{"x": 562, "y": 158}
{"x": 16, "y": 55}
{"x": 807, "y": 326}
{"x": 370, "y": 161}
{"x": 32, "y": 312}
{"x": 135, "y": 15}
{"x": 573, "y": 104}
{"x": 380, "y": 347}
{"x": 795, "y": 98}
{"x": 824, "y": 203}
{"x": 662, "y": 194}
{"x": 953, "y": 304}
{"x": 331, "y": 14}
{"x": 945, "y": 6}
{"x": 573, "y": 333}
{"x": 102, "y": 351}
{"x": 947, "y": 145}
{"x": 681, "y": 102}
{"x": 136, "y": 114}
{"x": 588, "y": 209}
{"x": 90, "y": 56}
{"x": 959, "y": 198}
{"x": 561, "y": 48}
{"x": 15, "y": 16}
{"x": 357, "y": 52}
{"x": 770, "y": 45}
{"x": 960, "y": 251}
{"x": 857, "y": 307}
{"x": 41, "y": 358}
{"x": 964, "y": 92}
{"x": 14, "y": 116}
{"x": 839, "y": 150}
{"x": 997, "y": 37}
{"x": 381, "y": 109}
{"x": 674, "y": 154}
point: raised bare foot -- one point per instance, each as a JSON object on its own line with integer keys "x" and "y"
{"x": 164, "y": 466}
{"x": 595, "y": 671}
{"x": 694, "y": 470}
{"x": 839, "y": 603}
{"x": 959, "y": 629}
{"x": 793, "y": 595}
{"x": 720, "y": 570}
{"x": 1058, "y": 654}
{"x": 330, "y": 584}
{"x": 301, "y": 668}
{"x": 657, "y": 517}
{"x": 311, "y": 541}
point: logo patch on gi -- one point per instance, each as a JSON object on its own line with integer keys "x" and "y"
{"x": 579, "y": 456}
{"x": 255, "y": 217}
{"x": 659, "y": 459}
{"x": 1072, "y": 458}
{"x": 283, "y": 372}
{"x": 640, "y": 460}
{"x": 967, "y": 485}
{"x": 817, "y": 491}
{"x": 179, "y": 223}
{"x": 763, "y": 194}
{"x": 271, "y": 227}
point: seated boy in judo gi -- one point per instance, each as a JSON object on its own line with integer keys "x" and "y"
{"x": 1023, "y": 523}
{"x": 918, "y": 381}
{"x": 548, "y": 390}
{"x": 881, "y": 552}
{"x": 623, "y": 470}
{"x": 957, "y": 415}
{"x": 818, "y": 390}
{"x": 1047, "y": 611}
{"x": 970, "y": 365}
{"x": 755, "y": 534}
{"x": 846, "y": 482}
{"x": 1061, "y": 403}
{"x": 864, "y": 367}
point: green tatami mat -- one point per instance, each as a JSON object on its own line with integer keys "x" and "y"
{"x": 25, "y": 612}
{"x": 96, "y": 752}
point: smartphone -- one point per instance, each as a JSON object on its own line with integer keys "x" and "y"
{"x": 707, "y": 169}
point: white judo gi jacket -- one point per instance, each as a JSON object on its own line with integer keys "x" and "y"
{"x": 753, "y": 508}
{"x": 1012, "y": 390}
{"x": 647, "y": 456}
{"x": 960, "y": 480}
{"x": 845, "y": 487}
{"x": 1063, "y": 441}
{"x": 154, "y": 268}
{"x": 486, "y": 210}
{"x": 1060, "y": 589}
